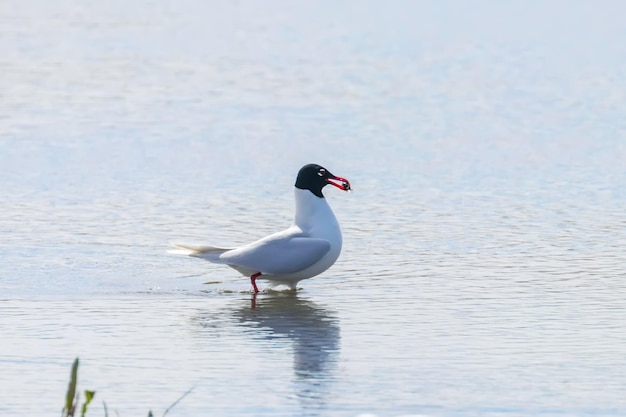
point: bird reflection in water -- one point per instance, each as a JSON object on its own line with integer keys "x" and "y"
{"x": 313, "y": 332}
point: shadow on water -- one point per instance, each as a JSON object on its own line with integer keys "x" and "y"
{"x": 313, "y": 334}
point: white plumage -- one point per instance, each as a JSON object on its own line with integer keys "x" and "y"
{"x": 306, "y": 249}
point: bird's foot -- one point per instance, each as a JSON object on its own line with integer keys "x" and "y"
{"x": 253, "y": 278}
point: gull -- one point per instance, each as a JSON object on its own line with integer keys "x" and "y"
{"x": 307, "y": 248}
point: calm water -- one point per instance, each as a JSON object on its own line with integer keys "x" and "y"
{"x": 483, "y": 270}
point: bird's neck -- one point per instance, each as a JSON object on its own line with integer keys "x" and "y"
{"x": 311, "y": 210}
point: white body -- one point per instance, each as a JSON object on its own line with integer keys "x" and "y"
{"x": 306, "y": 249}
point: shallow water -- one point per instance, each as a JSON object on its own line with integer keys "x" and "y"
{"x": 482, "y": 272}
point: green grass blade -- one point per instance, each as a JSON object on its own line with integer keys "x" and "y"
{"x": 177, "y": 401}
{"x": 88, "y": 397}
{"x": 71, "y": 391}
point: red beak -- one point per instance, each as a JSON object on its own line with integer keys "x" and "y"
{"x": 341, "y": 183}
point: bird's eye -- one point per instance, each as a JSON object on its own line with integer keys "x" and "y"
{"x": 321, "y": 172}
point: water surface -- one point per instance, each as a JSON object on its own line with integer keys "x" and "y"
{"x": 483, "y": 264}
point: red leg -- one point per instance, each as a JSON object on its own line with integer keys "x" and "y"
{"x": 253, "y": 278}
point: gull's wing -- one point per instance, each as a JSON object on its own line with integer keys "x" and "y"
{"x": 278, "y": 254}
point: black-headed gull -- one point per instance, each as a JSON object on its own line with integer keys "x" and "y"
{"x": 306, "y": 249}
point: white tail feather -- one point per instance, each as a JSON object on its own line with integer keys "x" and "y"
{"x": 211, "y": 253}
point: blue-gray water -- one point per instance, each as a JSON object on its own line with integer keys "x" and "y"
{"x": 483, "y": 270}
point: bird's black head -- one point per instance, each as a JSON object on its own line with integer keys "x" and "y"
{"x": 314, "y": 177}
